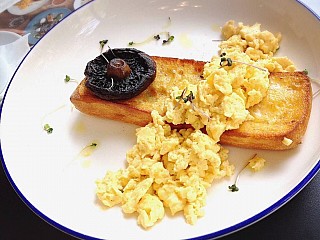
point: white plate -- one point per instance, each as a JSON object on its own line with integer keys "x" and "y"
{"x": 52, "y": 177}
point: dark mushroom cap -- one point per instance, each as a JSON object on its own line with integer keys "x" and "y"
{"x": 108, "y": 87}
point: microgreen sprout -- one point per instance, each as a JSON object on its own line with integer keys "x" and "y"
{"x": 87, "y": 150}
{"x": 182, "y": 94}
{"x": 102, "y": 44}
{"x": 225, "y": 61}
{"x": 156, "y": 37}
{"x": 48, "y": 128}
{"x": 90, "y": 146}
{"x": 234, "y": 187}
{"x": 189, "y": 98}
{"x": 69, "y": 79}
{"x": 168, "y": 40}
{"x": 305, "y": 71}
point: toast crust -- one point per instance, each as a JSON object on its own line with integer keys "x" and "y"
{"x": 283, "y": 113}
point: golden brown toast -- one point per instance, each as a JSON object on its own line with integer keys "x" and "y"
{"x": 284, "y": 113}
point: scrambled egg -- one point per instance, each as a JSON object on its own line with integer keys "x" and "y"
{"x": 259, "y": 46}
{"x": 256, "y": 163}
{"x": 287, "y": 141}
{"x": 169, "y": 168}
{"x": 234, "y": 81}
{"x": 166, "y": 168}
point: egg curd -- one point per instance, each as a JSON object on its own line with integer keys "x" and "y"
{"x": 170, "y": 168}
{"x": 256, "y": 163}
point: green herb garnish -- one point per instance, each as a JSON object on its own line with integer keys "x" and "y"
{"x": 305, "y": 71}
{"x": 182, "y": 94}
{"x": 225, "y": 61}
{"x": 102, "y": 43}
{"x": 88, "y": 150}
{"x": 233, "y": 188}
{"x": 48, "y": 128}
{"x": 170, "y": 39}
{"x": 67, "y": 78}
{"x": 157, "y": 37}
{"x": 189, "y": 97}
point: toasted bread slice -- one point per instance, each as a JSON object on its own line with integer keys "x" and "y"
{"x": 170, "y": 72}
{"x": 283, "y": 114}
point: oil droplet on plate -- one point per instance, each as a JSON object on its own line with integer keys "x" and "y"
{"x": 86, "y": 163}
{"x": 215, "y": 27}
{"x": 185, "y": 40}
{"x": 80, "y": 127}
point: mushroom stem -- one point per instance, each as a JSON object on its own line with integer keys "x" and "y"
{"x": 118, "y": 69}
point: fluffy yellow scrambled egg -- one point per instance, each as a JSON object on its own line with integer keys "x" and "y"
{"x": 169, "y": 168}
{"x": 222, "y": 99}
{"x": 166, "y": 168}
{"x": 256, "y": 163}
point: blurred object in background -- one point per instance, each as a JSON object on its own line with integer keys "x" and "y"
{"x": 13, "y": 48}
{"x": 22, "y": 24}
{"x": 5, "y": 4}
